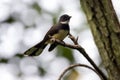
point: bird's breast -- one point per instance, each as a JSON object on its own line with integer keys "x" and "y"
{"x": 61, "y": 34}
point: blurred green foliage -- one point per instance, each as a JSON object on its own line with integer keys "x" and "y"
{"x": 66, "y": 53}
{"x": 42, "y": 71}
{"x": 9, "y": 20}
{"x": 37, "y": 7}
{"x": 72, "y": 75}
{"x": 3, "y": 60}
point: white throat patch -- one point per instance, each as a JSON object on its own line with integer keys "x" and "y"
{"x": 64, "y": 22}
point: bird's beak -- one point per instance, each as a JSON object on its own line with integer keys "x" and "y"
{"x": 70, "y": 16}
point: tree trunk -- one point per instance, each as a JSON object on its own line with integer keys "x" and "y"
{"x": 105, "y": 28}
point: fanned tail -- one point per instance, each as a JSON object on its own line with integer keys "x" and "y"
{"x": 36, "y": 50}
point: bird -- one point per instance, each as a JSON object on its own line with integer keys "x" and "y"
{"x": 59, "y": 31}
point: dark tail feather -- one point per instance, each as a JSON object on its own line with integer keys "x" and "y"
{"x": 52, "y": 46}
{"x": 36, "y": 50}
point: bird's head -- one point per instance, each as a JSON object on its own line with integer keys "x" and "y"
{"x": 64, "y": 19}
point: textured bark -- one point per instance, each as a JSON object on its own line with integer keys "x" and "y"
{"x": 105, "y": 28}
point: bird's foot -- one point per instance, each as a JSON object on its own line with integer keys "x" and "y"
{"x": 52, "y": 39}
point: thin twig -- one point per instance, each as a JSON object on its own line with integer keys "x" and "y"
{"x": 73, "y": 39}
{"x": 82, "y": 51}
{"x": 77, "y": 65}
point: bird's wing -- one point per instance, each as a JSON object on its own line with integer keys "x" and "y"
{"x": 53, "y": 30}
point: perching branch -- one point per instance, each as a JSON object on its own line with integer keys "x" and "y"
{"x": 77, "y": 65}
{"x": 81, "y": 50}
